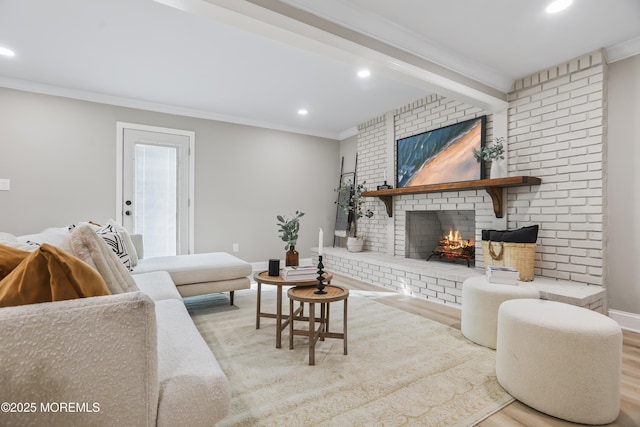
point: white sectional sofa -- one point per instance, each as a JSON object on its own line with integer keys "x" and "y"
{"x": 131, "y": 358}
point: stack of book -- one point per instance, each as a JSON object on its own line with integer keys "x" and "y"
{"x": 503, "y": 275}
{"x": 301, "y": 272}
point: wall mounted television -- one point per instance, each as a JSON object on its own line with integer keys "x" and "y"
{"x": 442, "y": 155}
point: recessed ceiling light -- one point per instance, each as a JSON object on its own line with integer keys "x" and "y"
{"x": 6, "y": 52}
{"x": 558, "y": 5}
{"x": 363, "y": 74}
{"x": 303, "y": 112}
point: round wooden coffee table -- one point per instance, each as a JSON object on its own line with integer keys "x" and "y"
{"x": 308, "y": 295}
{"x": 264, "y": 278}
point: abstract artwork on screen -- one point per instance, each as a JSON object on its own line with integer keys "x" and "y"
{"x": 442, "y": 155}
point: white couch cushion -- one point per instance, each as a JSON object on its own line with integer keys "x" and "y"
{"x": 193, "y": 388}
{"x": 96, "y": 350}
{"x": 52, "y": 235}
{"x": 203, "y": 288}
{"x": 10, "y": 240}
{"x": 197, "y": 268}
{"x": 158, "y": 285}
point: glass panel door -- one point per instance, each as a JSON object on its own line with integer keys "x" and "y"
{"x": 156, "y": 177}
{"x": 156, "y": 189}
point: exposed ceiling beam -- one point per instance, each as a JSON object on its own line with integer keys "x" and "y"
{"x": 287, "y": 24}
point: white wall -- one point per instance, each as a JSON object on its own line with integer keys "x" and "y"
{"x": 348, "y": 154}
{"x": 60, "y": 156}
{"x": 348, "y": 151}
{"x": 623, "y": 185}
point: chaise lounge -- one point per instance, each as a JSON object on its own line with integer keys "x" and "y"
{"x": 197, "y": 274}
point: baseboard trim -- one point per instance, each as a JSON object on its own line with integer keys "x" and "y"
{"x": 626, "y": 320}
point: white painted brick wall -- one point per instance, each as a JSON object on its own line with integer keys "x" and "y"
{"x": 372, "y": 155}
{"x": 442, "y": 283}
{"x": 556, "y": 131}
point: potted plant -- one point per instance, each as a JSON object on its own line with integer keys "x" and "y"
{"x": 354, "y": 208}
{"x": 493, "y": 153}
{"x": 288, "y": 228}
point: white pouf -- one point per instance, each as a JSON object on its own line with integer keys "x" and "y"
{"x": 480, "y": 302}
{"x": 560, "y": 359}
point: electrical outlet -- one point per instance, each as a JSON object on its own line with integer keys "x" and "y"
{"x": 5, "y": 184}
{"x": 235, "y": 247}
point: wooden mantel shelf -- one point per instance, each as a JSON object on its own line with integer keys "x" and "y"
{"x": 493, "y": 186}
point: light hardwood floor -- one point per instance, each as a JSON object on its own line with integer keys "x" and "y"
{"x": 517, "y": 414}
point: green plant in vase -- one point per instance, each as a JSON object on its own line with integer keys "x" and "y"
{"x": 492, "y": 153}
{"x": 352, "y": 202}
{"x": 288, "y": 227}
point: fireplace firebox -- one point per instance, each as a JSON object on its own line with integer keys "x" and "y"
{"x": 445, "y": 235}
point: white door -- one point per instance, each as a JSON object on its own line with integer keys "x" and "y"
{"x": 156, "y": 187}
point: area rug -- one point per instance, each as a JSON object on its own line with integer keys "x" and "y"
{"x": 401, "y": 369}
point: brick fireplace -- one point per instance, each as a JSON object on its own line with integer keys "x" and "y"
{"x": 555, "y": 129}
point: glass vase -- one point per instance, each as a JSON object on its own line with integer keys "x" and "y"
{"x": 292, "y": 257}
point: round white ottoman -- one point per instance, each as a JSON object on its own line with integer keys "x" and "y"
{"x": 480, "y": 302}
{"x": 560, "y": 359}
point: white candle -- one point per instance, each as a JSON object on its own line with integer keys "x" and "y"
{"x": 385, "y": 175}
{"x": 320, "y": 243}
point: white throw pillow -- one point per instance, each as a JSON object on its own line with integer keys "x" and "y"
{"x": 131, "y": 249}
{"x": 112, "y": 238}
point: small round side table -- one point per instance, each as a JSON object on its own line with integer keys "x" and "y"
{"x": 307, "y": 295}
{"x": 263, "y": 278}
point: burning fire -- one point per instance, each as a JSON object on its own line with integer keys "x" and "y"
{"x": 453, "y": 241}
{"x": 453, "y": 246}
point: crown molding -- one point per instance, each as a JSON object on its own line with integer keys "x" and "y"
{"x": 623, "y": 50}
{"x": 100, "y": 98}
{"x": 347, "y": 133}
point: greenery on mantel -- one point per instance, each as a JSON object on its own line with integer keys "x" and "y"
{"x": 354, "y": 207}
{"x": 491, "y": 152}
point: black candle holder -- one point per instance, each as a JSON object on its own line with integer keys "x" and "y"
{"x": 320, "y": 278}
{"x": 385, "y": 186}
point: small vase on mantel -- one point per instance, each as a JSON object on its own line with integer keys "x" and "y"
{"x": 292, "y": 258}
{"x": 498, "y": 169}
{"x": 355, "y": 244}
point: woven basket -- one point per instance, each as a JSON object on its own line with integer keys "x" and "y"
{"x": 520, "y": 256}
